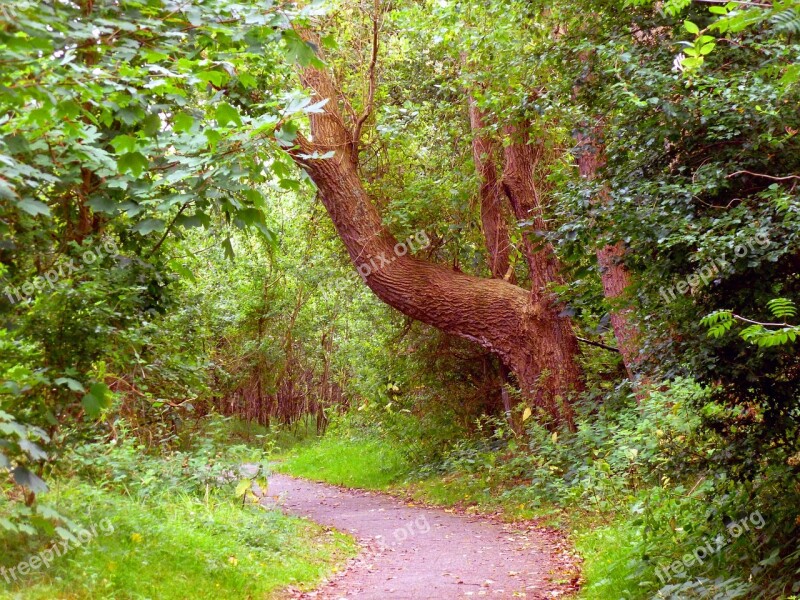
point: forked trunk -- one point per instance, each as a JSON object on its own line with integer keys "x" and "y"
{"x": 493, "y": 214}
{"x": 559, "y": 347}
{"x": 491, "y": 312}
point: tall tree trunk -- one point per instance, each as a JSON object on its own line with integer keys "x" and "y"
{"x": 491, "y": 312}
{"x": 614, "y": 274}
{"x": 559, "y": 347}
{"x": 493, "y": 214}
{"x": 495, "y": 226}
{"x": 520, "y": 188}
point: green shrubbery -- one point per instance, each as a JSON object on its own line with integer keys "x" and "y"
{"x": 179, "y": 522}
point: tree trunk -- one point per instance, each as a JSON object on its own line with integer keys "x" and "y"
{"x": 558, "y": 346}
{"x": 491, "y": 312}
{"x": 615, "y": 276}
{"x": 494, "y": 222}
{"x": 493, "y": 215}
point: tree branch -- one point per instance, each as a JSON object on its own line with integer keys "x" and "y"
{"x": 371, "y": 93}
{"x": 184, "y": 206}
{"x": 763, "y": 175}
{"x": 598, "y": 344}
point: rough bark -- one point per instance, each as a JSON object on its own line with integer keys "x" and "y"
{"x": 559, "y": 346}
{"x": 493, "y": 221}
{"x": 491, "y": 312}
{"x": 520, "y": 188}
{"x": 493, "y": 214}
{"x": 614, "y": 274}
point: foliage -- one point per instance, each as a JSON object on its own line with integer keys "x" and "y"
{"x": 761, "y": 334}
{"x": 169, "y": 522}
{"x": 165, "y": 262}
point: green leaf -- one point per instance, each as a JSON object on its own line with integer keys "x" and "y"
{"x": 691, "y": 27}
{"x": 269, "y": 236}
{"x": 34, "y": 207}
{"x": 250, "y": 216}
{"x": 255, "y": 197}
{"x": 215, "y": 78}
{"x": 134, "y": 163}
{"x": 123, "y": 144}
{"x": 247, "y": 80}
{"x": 227, "y": 114}
{"x": 32, "y": 449}
{"x": 149, "y": 226}
{"x": 299, "y": 51}
{"x": 707, "y": 48}
{"x": 198, "y": 219}
{"x": 791, "y": 75}
{"x": 182, "y": 122}
{"x": 30, "y": 480}
{"x": 782, "y": 308}
{"x": 102, "y": 204}
{"x": 75, "y": 386}
{"x": 98, "y": 398}
{"x": 330, "y": 42}
{"x": 243, "y": 487}
{"x": 151, "y": 124}
{"x": 7, "y": 191}
{"x": 228, "y": 248}
{"x": 182, "y": 270}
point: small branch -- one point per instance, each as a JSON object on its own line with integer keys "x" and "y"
{"x": 598, "y": 344}
{"x": 741, "y": 318}
{"x": 167, "y": 230}
{"x": 509, "y": 273}
{"x": 763, "y": 175}
{"x": 371, "y": 93}
{"x": 739, "y": 2}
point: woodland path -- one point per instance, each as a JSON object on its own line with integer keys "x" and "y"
{"x": 416, "y": 553}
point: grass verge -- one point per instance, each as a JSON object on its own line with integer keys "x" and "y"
{"x": 176, "y": 546}
{"x": 352, "y": 462}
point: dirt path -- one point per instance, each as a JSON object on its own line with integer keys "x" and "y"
{"x": 417, "y": 553}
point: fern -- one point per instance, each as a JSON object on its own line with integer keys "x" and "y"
{"x": 782, "y": 308}
{"x": 786, "y": 21}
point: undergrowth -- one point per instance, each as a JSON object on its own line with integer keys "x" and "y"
{"x": 631, "y": 484}
{"x": 173, "y": 524}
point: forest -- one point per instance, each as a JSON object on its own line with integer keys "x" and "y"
{"x": 415, "y": 299}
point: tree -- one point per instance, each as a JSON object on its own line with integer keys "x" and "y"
{"x": 491, "y": 312}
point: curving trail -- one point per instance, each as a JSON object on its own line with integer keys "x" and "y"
{"x": 417, "y": 553}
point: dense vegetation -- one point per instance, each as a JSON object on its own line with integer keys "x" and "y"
{"x": 533, "y": 257}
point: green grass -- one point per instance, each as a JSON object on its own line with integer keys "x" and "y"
{"x": 607, "y": 552}
{"x": 353, "y": 462}
{"x": 176, "y": 546}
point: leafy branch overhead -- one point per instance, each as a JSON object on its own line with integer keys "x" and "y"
{"x": 761, "y": 334}
{"x": 176, "y": 120}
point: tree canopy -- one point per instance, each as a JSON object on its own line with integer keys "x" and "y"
{"x": 427, "y": 213}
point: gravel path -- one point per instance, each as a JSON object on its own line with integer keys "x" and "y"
{"x": 417, "y": 553}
